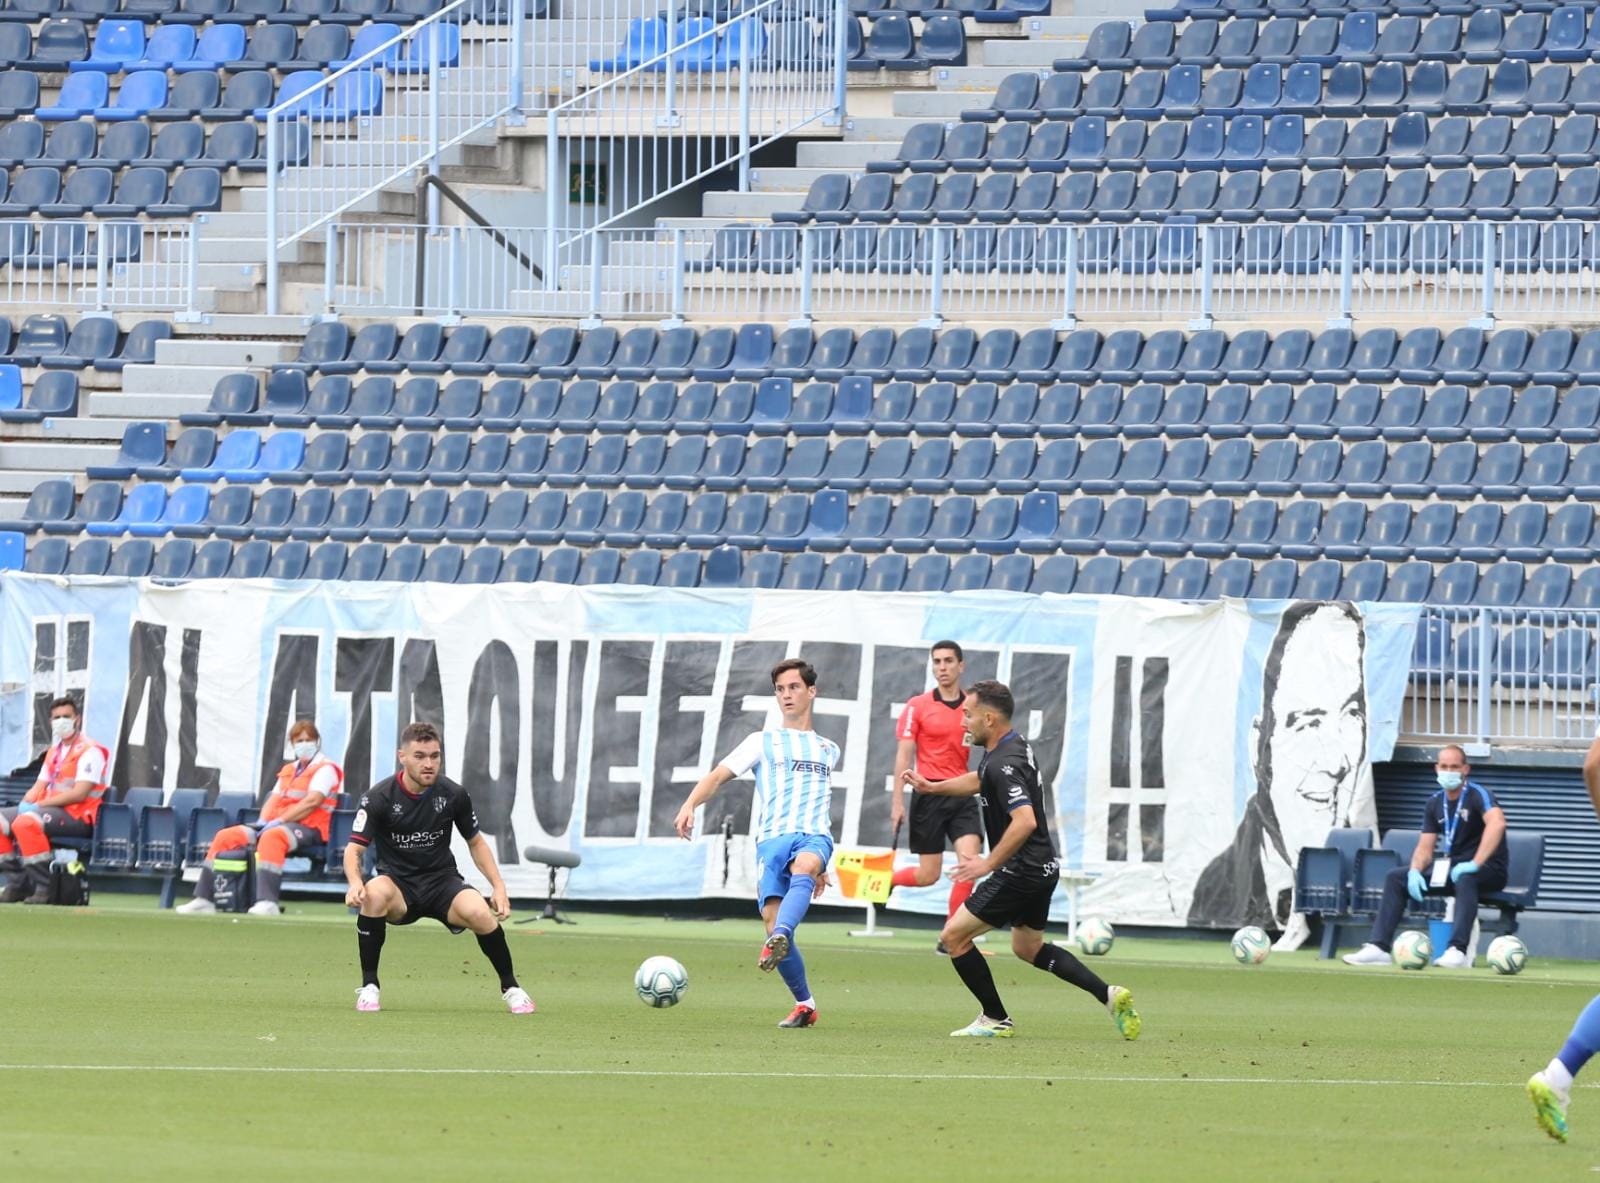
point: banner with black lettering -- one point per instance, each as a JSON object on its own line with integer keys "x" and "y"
{"x": 1189, "y": 750}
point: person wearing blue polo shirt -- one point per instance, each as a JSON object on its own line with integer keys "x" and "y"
{"x": 1472, "y": 861}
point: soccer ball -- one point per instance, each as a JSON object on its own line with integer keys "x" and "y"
{"x": 1096, "y": 936}
{"x": 1413, "y": 950}
{"x": 661, "y": 981}
{"x": 1508, "y": 955}
{"x": 1251, "y": 946}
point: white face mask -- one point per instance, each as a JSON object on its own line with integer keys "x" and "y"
{"x": 61, "y": 729}
{"x": 1448, "y": 781}
{"x": 304, "y": 750}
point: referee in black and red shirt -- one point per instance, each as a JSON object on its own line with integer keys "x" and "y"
{"x": 933, "y": 740}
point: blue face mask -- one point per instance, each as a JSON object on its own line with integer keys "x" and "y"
{"x": 1448, "y": 781}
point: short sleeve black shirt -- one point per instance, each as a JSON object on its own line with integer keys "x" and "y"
{"x": 1468, "y": 810}
{"x": 412, "y": 831}
{"x": 1009, "y": 779}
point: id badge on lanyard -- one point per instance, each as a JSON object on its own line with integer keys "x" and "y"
{"x": 1440, "y": 876}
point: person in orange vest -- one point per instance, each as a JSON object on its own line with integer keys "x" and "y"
{"x": 296, "y": 815}
{"x": 63, "y": 803}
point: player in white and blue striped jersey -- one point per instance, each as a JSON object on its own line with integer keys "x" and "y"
{"x": 793, "y": 823}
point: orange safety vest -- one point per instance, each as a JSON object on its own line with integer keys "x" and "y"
{"x": 60, "y": 774}
{"x": 293, "y": 788}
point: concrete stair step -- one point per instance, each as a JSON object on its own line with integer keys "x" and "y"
{"x": 785, "y": 180}
{"x": 922, "y": 105}
{"x": 60, "y": 457}
{"x": 77, "y": 428}
{"x": 1062, "y": 26}
{"x": 1032, "y": 52}
{"x": 976, "y": 77}
{"x": 169, "y": 379}
{"x": 190, "y": 351}
{"x": 255, "y": 327}
{"x": 19, "y": 482}
{"x": 847, "y": 156}
{"x": 748, "y": 206}
{"x": 144, "y": 406}
{"x": 878, "y": 129}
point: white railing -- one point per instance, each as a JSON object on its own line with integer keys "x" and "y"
{"x": 1053, "y": 273}
{"x": 1502, "y": 675}
{"x": 101, "y": 266}
{"x": 386, "y": 115}
{"x": 689, "y": 97}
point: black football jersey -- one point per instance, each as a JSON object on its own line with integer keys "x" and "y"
{"x": 1009, "y": 778}
{"x": 411, "y": 832}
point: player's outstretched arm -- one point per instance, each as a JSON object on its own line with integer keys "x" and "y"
{"x": 483, "y": 858}
{"x": 698, "y": 796}
{"x": 1591, "y": 773}
{"x": 965, "y": 785}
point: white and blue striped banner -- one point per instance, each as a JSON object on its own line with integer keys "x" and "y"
{"x": 1191, "y": 750}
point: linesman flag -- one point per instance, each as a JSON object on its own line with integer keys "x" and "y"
{"x": 863, "y": 876}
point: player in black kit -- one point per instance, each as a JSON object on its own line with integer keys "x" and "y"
{"x": 409, "y": 817}
{"x": 1021, "y": 867}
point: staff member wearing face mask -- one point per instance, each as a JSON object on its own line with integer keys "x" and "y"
{"x": 296, "y": 816}
{"x": 1472, "y": 862}
{"x": 63, "y": 803}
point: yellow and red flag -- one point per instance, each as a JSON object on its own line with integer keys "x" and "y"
{"x": 864, "y": 876}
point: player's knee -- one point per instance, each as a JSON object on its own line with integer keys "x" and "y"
{"x": 806, "y": 864}
{"x": 1026, "y": 945}
{"x": 955, "y": 940}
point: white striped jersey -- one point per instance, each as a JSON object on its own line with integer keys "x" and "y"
{"x": 794, "y": 780}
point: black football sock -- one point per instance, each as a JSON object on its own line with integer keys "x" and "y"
{"x": 975, "y": 975}
{"x": 499, "y": 954}
{"x": 370, "y": 931}
{"x": 1056, "y": 960}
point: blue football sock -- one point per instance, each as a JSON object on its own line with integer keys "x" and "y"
{"x": 1584, "y": 1040}
{"x": 795, "y": 902}
{"x": 793, "y": 971}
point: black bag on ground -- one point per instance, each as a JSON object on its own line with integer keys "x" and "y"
{"x": 69, "y": 884}
{"x": 234, "y": 886}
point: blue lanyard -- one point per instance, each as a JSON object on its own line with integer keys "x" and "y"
{"x": 1451, "y": 822}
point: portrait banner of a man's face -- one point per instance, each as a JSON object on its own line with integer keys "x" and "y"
{"x": 1306, "y": 689}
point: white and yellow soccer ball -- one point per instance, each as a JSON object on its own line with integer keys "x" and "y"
{"x": 1096, "y": 936}
{"x": 1412, "y": 950}
{"x": 1507, "y": 955}
{"x": 1251, "y": 945}
{"x": 661, "y": 981}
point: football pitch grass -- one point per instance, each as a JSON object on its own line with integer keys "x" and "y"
{"x": 145, "y": 1045}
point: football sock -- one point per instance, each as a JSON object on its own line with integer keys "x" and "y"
{"x": 370, "y": 931}
{"x": 975, "y": 975}
{"x": 1056, "y": 960}
{"x": 499, "y": 954}
{"x": 1584, "y": 1040}
{"x": 793, "y": 971}
{"x": 795, "y": 902}
{"x": 958, "y": 896}
{"x": 904, "y": 877}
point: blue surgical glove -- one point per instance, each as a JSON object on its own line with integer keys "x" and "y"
{"x": 1415, "y": 884}
{"x": 28, "y": 807}
{"x": 1461, "y": 869}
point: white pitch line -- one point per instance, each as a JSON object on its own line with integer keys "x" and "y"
{"x": 931, "y": 1078}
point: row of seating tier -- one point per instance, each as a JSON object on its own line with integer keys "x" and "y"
{"x": 1189, "y": 578}
{"x": 1427, "y": 354}
{"x": 1288, "y": 95}
{"x": 1482, "y": 33}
